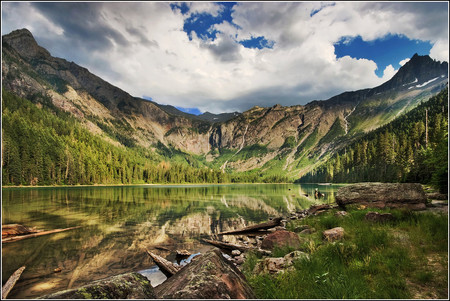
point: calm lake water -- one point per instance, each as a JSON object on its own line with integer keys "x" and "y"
{"x": 119, "y": 222}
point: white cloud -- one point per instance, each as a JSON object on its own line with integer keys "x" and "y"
{"x": 402, "y": 62}
{"x": 150, "y": 54}
{"x": 388, "y": 73}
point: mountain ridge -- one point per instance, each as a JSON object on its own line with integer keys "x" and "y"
{"x": 288, "y": 139}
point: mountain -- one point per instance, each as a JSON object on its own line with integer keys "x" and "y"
{"x": 270, "y": 141}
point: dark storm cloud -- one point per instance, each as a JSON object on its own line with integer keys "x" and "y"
{"x": 82, "y": 23}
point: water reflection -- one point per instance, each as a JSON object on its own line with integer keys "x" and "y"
{"x": 119, "y": 223}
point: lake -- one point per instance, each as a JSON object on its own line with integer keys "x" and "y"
{"x": 119, "y": 222}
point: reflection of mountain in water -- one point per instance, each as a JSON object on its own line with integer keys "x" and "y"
{"x": 120, "y": 222}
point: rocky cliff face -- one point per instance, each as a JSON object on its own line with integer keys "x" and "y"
{"x": 286, "y": 139}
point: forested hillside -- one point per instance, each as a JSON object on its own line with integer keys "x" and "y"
{"x": 412, "y": 148}
{"x": 46, "y": 146}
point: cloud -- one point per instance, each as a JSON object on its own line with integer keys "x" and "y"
{"x": 389, "y": 72}
{"x": 141, "y": 47}
{"x": 402, "y": 62}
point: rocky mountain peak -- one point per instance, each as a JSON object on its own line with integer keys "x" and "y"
{"x": 23, "y": 42}
{"x": 418, "y": 70}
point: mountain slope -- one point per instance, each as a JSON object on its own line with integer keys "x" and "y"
{"x": 270, "y": 141}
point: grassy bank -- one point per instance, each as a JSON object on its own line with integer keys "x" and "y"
{"x": 404, "y": 258}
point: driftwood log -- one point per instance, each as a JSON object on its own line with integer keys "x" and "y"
{"x": 254, "y": 228}
{"x": 168, "y": 268}
{"x": 16, "y": 238}
{"x": 16, "y": 229}
{"x": 231, "y": 247}
{"x": 11, "y": 282}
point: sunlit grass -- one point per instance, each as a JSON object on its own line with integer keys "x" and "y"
{"x": 372, "y": 261}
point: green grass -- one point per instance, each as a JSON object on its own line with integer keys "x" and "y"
{"x": 372, "y": 261}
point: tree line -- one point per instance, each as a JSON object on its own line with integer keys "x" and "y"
{"x": 43, "y": 145}
{"x": 412, "y": 148}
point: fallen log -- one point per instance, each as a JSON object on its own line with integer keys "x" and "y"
{"x": 11, "y": 282}
{"x": 230, "y": 246}
{"x": 264, "y": 226}
{"x": 168, "y": 268}
{"x": 315, "y": 208}
{"x": 16, "y": 229}
{"x": 16, "y": 238}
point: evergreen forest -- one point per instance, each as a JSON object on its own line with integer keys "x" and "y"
{"x": 412, "y": 148}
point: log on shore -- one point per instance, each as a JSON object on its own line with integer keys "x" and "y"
{"x": 264, "y": 226}
{"x": 231, "y": 247}
{"x": 11, "y": 282}
{"x": 16, "y": 238}
{"x": 168, "y": 268}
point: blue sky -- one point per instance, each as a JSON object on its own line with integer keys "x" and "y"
{"x": 231, "y": 56}
{"x": 389, "y": 50}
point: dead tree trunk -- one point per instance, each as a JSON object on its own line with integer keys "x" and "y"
{"x": 167, "y": 267}
{"x": 264, "y": 226}
{"x": 16, "y": 238}
{"x": 11, "y": 282}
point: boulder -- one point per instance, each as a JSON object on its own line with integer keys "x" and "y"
{"x": 209, "y": 276}
{"x": 126, "y": 286}
{"x": 281, "y": 238}
{"x": 378, "y": 217}
{"x": 381, "y": 195}
{"x": 333, "y": 234}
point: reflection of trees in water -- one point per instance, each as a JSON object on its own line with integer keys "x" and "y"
{"x": 119, "y": 222}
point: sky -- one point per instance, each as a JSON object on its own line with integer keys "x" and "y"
{"x": 230, "y": 56}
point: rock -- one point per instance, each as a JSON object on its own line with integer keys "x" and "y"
{"x": 308, "y": 231}
{"x": 333, "y": 234}
{"x": 239, "y": 259}
{"x": 57, "y": 270}
{"x": 270, "y": 265}
{"x": 235, "y": 253}
{"x": 126, "y": 286}
{"x": 381, "y": 195}
{"x": 341, "y": 213}
{"x": 378, "y": 217}
{"x": 281, "y": 238}
{"x": 437, "y": 196}
{"x": 293, "y": 256}
{"x": 301, "y": 228}
{"x": 211, "y": 276}
{"x": 278, "y": 264}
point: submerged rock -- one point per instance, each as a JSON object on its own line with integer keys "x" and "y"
{"x": 210, "y": 276}
{"x": 381, "y": 195}
{"x": 126, "y": 286}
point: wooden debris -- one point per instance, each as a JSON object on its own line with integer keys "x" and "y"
{"x": 162, "y": 248}
{"x": 16, "y": 229}
{"x": 230, "y": 246}
{"x": 264, "y": 226}
{"x": 16, "y": 238}
{"x": 183, "y": 253}
{"x": 11, "y": 282}
{"x": 167, "y": 267}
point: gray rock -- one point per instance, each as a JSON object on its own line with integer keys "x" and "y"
{"x": 235, "y": 253}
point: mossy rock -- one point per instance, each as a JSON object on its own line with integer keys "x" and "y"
{"x": 126, "y": 286}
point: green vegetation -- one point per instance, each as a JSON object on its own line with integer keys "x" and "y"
{"x": 412, "y": 148}
{"x": 373, "y": 261}
{"x": 46, "y": 146}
